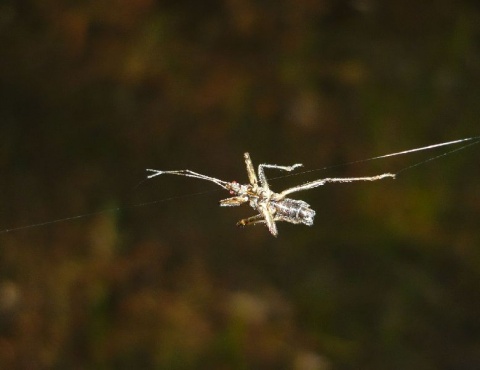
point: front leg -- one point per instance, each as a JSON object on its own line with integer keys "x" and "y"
{"x": 250, "y": 170}
{"x": 261, "y": 172}
{"x": 233, "y": 201}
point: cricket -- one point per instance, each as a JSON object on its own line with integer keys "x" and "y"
{"x": 272, "y": 207}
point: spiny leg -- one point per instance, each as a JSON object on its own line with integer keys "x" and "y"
{"x": 258, "y": 219}
{"x": 234, "y": 201}
{"x": 317, "y": 183}
{"x": 261, "y": 171}
{"x": 264, "y": 211}
{"x": 251, "y": 220}
{"x": 250, "y": 170}
{"x": 263, "y": 217}
{"x": 188, "y": 173}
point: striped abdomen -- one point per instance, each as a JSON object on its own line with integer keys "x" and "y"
{"x": 294, "y": 211}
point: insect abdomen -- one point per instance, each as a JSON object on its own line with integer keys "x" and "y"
{"x": 294, "y": 211}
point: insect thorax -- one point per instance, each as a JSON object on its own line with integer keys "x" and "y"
{"x": 294, "y": 211}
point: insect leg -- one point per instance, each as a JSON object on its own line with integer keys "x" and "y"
{"x": 267, "y": 215}
{"x": 233, "y": 201}
{"x": 250, "y": 170}
{"x": 317, "y": 183}
{"x": 251, "y": 220}
{"x": 261, "y": 218}
{"x": 261, "y": 171}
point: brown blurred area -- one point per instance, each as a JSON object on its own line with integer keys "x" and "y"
{"x": 94, "y": 92}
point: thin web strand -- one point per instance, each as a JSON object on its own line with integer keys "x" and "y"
{"x": 477, "y": 138}
{"x": 109, "y": 210}
{"x": 437, "y": 156}
{"x": 118, "y": 209}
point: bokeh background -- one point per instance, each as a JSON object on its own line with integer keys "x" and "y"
{"x": 94, "y": 92}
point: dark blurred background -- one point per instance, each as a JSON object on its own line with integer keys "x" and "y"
{"x": 94, "y": 92}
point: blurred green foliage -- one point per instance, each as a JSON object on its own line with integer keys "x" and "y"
{"x": 94, "y": 92}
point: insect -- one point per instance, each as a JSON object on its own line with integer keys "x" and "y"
{"x": 271, "y": 206}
